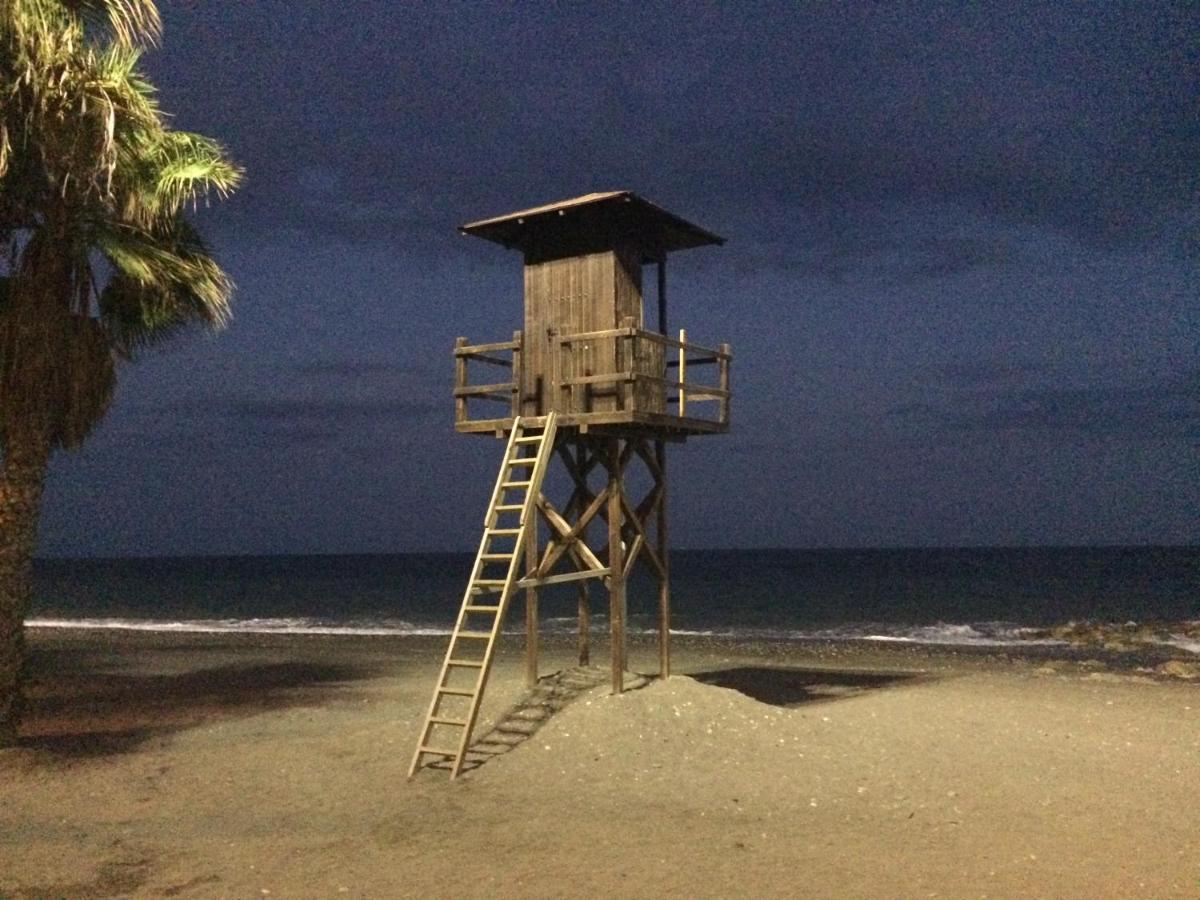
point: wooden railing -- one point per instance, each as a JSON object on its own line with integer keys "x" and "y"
{"x": 640, "y": 374}
{"x": 507, "y": 392}
{"x": 609, "y": 371}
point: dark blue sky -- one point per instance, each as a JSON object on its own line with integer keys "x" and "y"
{"x": 961, "y": 278}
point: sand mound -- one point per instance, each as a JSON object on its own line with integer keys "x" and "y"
{"x": 647, "y": 734}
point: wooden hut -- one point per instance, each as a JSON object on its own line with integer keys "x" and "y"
{"x": 585, "y": 382}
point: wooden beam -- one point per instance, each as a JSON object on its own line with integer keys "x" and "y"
{"x": 582, "y": 495}
{"x": 531, "y": 604}
{"x": 651, "y": 461}
{"x": 693, "y": 350}
{"x": 616, "y": 563}
{"x": 585, "y": 654}
{"x": 664, "y": 575}
{"x": 490, "y": 360}
{"x": 662, "y": 294}
{"x": 612, "y": 378}
{"x": 569, "y": 534}
{"x": 633, "y": 521}
{"x": 682, "y": 372}
{"x": 460, "y": 380}
{"x": 464, "y": 349}
{"x": 580, "y": 575}
{"x": 634, "y": 549}
{"x": 517, "y": 361}
{"x": 476, "y": 389}
{"x": 596, "y": 335}
{"x": 723, "y": 413}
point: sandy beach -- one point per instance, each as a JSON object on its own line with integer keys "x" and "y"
{"x": 247, "y": 766}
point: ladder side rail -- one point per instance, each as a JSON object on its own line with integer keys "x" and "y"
{"x": 545, "y": 447}
{"x": 460, "y": 621}
{"x": 489, "y": 520}
{"x": 435, "y": 701}
{"x": 538, "y": 475}
{"x": 485, "y": 669}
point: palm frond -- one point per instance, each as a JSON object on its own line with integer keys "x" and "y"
{"x": 187, "y": 167}
{"x": 162, "y": 283}
{"x": 130, "y": 22}
{"x": 89, "y": 168}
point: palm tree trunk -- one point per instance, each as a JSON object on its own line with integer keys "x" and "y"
{"x": 22, "y": 474}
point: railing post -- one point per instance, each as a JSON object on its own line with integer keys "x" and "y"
{"x": 516, "y": 373}
{"x": 723, "y": 383}
{"x": 682, "y": 372}
{"x": 460, "y": 380}
{"x": 564, "y": 397}
{"x": 626, "y": 365}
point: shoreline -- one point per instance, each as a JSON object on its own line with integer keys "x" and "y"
{"x": 1156, "y": 640}
{"x": 228, "y": 765}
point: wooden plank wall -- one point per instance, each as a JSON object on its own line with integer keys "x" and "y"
{"x": 592, "y": 292}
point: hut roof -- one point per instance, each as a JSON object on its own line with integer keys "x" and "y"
{"x": 610, "y": 216}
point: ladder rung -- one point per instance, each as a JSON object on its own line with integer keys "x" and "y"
{"x": 521, "y": 470}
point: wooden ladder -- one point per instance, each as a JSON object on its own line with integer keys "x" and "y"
{"x": 465, "y": 669}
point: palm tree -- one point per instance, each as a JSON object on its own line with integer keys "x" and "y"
{"x": 99, "y": 261}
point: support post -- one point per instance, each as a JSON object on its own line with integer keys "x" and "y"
{"x": 664, "y": 581}
{"x": 531, "y": 603}
{"x": 460, "y": 381}
{"x": 723, "y": 384}
{"x": 585, "y": 654}
{"x": 662, "y": 295}
{"x": 626, "y": 364}
{"x": 516, "y": 373}
{"x": 616, "y": 563}
{"x": 682, "y": 372}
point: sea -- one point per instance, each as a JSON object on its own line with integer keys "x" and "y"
{"x": 971, "y": 596}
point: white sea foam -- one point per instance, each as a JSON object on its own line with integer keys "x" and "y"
{"x": 1191, "y": 645}
{"x": 984, "y": 634}
{"x": 980, "y": 634}
{"x": 242, "y": 626}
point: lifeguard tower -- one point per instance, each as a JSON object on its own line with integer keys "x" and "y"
{"x": 587, "y": 382}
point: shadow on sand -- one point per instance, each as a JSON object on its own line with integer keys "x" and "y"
{"x": 796, "y": 687}
{"x": 525, "y": 718}
{"x": 777, "y": 686}
{"x": 75, "y": 711}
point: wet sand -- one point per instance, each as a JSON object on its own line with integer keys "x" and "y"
{"x": 248, "y": 766}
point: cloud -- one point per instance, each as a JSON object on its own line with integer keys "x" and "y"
{"x": 332, "y": 410}
{"x": 980, "y": 373}
{"x": 276, "y": 423}
{"x": 351, "y": 369}
{"x": 899, "y": 260}
{"x": 953, "y": 256}
{"x": 1169, "y": 408}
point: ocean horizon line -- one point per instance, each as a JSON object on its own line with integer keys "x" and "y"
{"x": 897, "y": 548}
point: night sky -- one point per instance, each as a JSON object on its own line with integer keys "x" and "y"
{"x": 961, "y": 277}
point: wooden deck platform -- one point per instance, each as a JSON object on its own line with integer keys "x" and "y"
{"x": 629, "y": 423}
{"x": 623, "y": 381}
